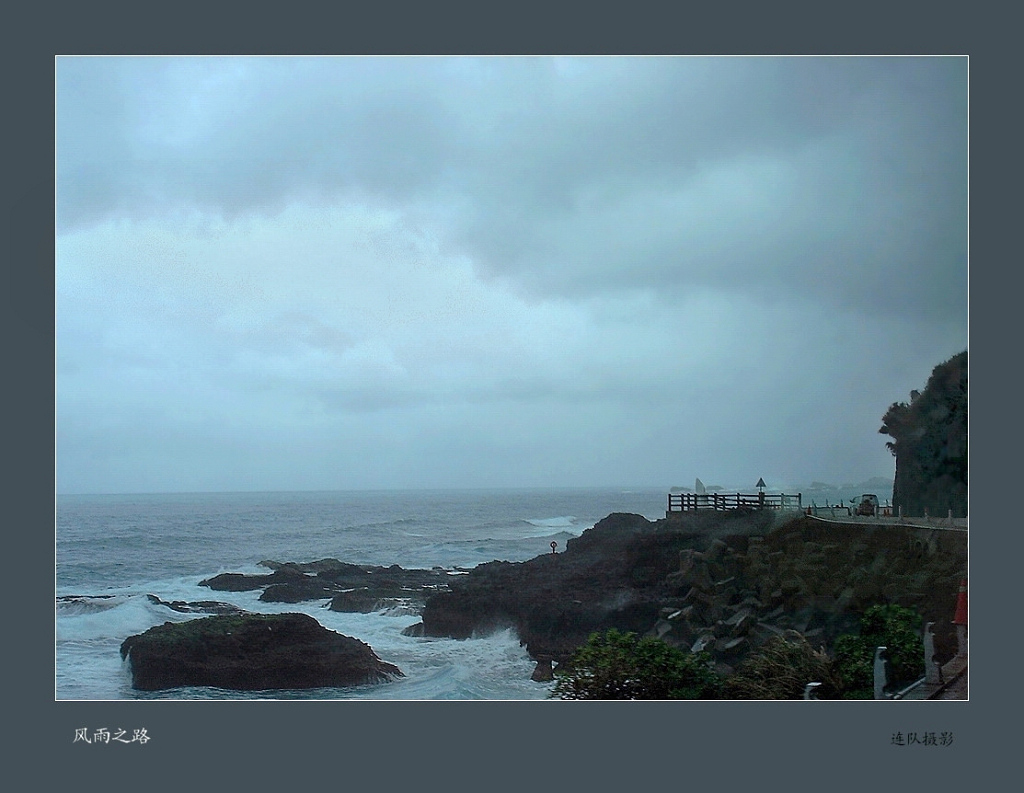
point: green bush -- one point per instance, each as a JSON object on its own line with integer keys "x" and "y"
{"x": 898, "y": 630}
{"x": 616, "y": 665}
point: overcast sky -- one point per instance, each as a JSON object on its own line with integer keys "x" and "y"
{"x": 343, "y": 273}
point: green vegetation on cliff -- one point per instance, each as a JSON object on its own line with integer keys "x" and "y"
{"x": 890, "y": 626}
{"x": 615, "y": 665}
{"x": 930, "y": 443}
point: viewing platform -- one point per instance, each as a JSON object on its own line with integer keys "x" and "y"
{"x": 721, "y": 502}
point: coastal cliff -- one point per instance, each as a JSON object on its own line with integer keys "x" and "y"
{"x": 721, "y": 582}
{"x": 724, "y": 583}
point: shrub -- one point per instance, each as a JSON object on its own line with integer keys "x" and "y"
{"x": 894, "y": 627}
{"x": 781, "y": 669}
{"x": 616, "y": 665}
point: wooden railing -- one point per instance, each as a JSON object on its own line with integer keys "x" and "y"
{"x": 685, "y": 502}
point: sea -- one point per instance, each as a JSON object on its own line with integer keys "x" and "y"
{"x": 113, "y": 551}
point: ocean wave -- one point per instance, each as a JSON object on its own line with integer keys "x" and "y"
{"x": 74, "y": 605}
{"x": 128, "y": 615}
{"x": 553, "y": 523}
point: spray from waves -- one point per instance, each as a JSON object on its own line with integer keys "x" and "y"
{"x": 493, "y": 667}
{"x": 565, "y": 524}
{"x": 128, "y": 615}
{"x": 76, "y": 605}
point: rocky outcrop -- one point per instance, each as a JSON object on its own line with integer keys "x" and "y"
{"x": 613, "y": 575}
{"x": 725, "y": 583}
{"x": 350, "y": 587}
{"x": 251, "y": 652}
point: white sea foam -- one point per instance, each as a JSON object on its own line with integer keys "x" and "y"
{"x": 132, "y": 615}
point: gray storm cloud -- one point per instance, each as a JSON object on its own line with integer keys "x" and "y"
{"x": 499, "y": 270}
{"x": 603, "y": 173}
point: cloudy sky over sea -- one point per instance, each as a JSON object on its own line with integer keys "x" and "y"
{"x": 339, "y": 273}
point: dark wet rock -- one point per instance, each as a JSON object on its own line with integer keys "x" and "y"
{"x": 543, "y": 672}
{"x": 366, "y": 600}
{"x": 197, "y": 606}
{"x": 292, "y": 582}
{"x": 298, "y": 591}
{"x": 251, "y": 652}
{"x": 329, "y": 565}
{"x": 237, "y": 582}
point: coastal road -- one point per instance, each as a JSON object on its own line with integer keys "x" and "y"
{"x": 956, "y": 524}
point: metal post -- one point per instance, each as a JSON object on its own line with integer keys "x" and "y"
{"x": 932, "y": 669}
{"x": 880, "y": 673}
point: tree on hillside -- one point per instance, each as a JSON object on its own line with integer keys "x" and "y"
{"x": 614, "y": 665}
{"x": 930, "y": 443}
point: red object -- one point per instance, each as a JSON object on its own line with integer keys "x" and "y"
{"x": 961, "y": 605}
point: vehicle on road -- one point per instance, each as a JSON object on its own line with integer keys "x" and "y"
{"x": 868, "y": 505}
